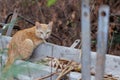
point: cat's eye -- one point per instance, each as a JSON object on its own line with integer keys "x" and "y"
{"x": 41, "y": 32}
{"x": 47, "y": 32}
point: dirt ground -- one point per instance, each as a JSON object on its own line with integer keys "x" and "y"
{"x": 66, "y": 15}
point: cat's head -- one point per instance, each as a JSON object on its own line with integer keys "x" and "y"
{"x": 43, "y": 31}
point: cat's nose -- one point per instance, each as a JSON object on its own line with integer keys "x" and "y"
{"x": 45, "y": 37}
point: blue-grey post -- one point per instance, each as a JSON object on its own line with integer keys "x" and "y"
{"x": 12, "y": 22}
{"x": 86, "y": 39}
{"x": 102, "y": 37}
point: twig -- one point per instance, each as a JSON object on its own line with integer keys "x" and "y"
{"x": 47, "y": 76}
{"x": 111, "y": 42}
{"x": 65, "y": 71}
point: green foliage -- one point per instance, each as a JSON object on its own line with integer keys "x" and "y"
{"x": 13, "y": 71}
{"x": 94, "y": 41}
{"x": 118, "y": 19}
{"x": 51, "y": 2}
{"x": 22, "y": 68}
{"x": 116, "y": 39}
{"x": 2, "y": 51}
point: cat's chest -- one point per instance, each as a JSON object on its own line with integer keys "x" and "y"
{"x": 36, "y": 42}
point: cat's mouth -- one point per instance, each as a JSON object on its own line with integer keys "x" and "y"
{"x": 43, "y": 38}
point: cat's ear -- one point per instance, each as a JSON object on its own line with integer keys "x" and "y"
{"x": 50, "y": 24}
{"x": 37, "y": 25}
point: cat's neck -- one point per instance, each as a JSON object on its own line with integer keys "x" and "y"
{"x": 31, "y": 32}
{"x": 32, "y": 29}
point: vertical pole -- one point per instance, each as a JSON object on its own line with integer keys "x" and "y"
{"x": 102, "y": 41}
{"x": 86, "y": 39}
{"x": 12, "y": 23}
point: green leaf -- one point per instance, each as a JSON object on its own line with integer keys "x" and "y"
{"x": 51, "y": 2}
{"x": 21, "y": 68}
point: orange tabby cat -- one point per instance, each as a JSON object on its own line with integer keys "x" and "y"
{"x": 25, "y": 41}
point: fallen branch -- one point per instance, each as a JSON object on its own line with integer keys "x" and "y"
{"x": 70, "y": 66}
{"x": 64, "y": 72}
{"x": 47, "y": 76}
{"x": 65, "y": 66}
